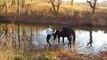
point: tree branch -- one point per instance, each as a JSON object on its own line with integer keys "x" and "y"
{"x": 92, "y": 5}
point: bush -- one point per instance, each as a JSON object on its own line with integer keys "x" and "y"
{"x": 46, "y": 56}
{"x": 18, "y": 57}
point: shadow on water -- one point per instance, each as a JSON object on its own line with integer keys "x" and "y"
{"x": 35, "y": 35}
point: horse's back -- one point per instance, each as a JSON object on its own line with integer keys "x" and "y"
{"x": 67, "y": 31}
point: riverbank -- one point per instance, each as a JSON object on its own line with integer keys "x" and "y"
{"x": 51, "y": 22}
{"x": 68, "y": 15}
{"x": 49, "y": 54}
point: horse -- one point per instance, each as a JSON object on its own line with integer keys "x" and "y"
{"x": 65, "y": 32}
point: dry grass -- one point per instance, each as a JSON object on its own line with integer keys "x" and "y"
{"x": 6, "y": 55}
{"x": 48, "y": 54}
{"x": 72, "y": 15}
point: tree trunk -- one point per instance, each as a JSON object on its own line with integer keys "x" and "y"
{"x": 55, "y": 6}
{"x": 92, "y": 4}
{"x": 72, "y": 2}
{"x": 5, "y": 6}
{"x": 18, "y": 7}
{"x": 13, "y": 2}
{"x": 23, "y": 3}
{"x": 18, "y": 26}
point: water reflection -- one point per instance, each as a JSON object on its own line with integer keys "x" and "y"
{"x": 91, "y": 39}
{"x": 37, "y": 34}
{"x": 83, "y": 37}
{"x": 99, "y": 42}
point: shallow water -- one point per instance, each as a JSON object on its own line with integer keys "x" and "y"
{"x": 99, "y": 37}
{"x": 82, "y": 38}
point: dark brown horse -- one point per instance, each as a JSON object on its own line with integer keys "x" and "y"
{"x": 65, "y": 32}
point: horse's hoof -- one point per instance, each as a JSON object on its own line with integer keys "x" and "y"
{"x": 50, "y": 45}
{"x": 63, "y": 44}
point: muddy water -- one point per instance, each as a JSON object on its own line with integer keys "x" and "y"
{"x": 99, "y": 38}
{"x": 82, "y": 38}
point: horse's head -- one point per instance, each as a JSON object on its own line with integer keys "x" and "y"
{"x": 55, "y": 34}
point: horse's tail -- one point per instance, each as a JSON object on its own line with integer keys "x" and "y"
{"x": 74, "y": 37}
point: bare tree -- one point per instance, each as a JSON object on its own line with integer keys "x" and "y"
{"x": 72, "y": 2}
{"x": 55, "y": 6}
{"x": 13, "y": 2}
{"x": 5, "y": 6}
{"x": 23, "y": 3}
{"x": 92, "y": 5}
{"x": 18, "y": 6}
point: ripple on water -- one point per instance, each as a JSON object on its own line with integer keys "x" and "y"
{"x": 82, "y": 38}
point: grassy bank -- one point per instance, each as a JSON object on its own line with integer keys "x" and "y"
{"x": 41, "y": 13}
{"x": 48, "y": 54}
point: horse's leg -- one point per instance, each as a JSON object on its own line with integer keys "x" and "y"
{"x": 69, "y": 39}
{"x": 58, "y": 40}
{"x": 63, "y": 40}
{"x": 48, "y": 38}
